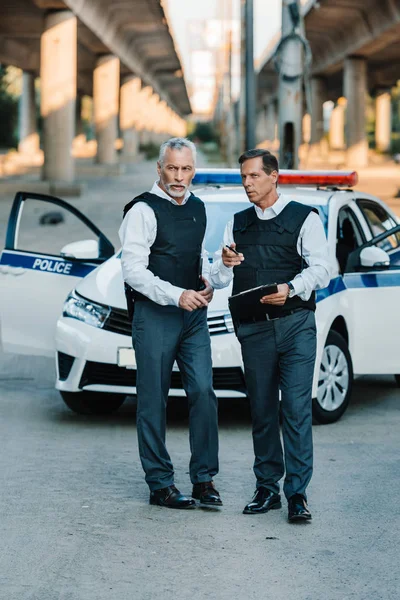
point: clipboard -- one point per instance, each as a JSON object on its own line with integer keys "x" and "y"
{"x": 246, "y": 305}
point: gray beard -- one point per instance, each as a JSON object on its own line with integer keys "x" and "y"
{"x": 173, "y": 193}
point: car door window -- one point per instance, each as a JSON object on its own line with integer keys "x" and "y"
{"x": 349, "y": 236}
{"x": 379, "y": 221}
{"x": 46, "y": 228}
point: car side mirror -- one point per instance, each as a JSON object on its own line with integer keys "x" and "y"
{"x": 85, "y": 249}
{"x": 373, "y": 257}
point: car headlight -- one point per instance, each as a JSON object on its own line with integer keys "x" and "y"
{"x": 229, "y": 323}
{"x": 77, "y": 307}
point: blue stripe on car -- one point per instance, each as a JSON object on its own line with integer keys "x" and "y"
{"x": 359, "y": 281}
{"x": 60, "y": 266}
{"x": 46, "y": 264}
{"x": 335, "y": 286}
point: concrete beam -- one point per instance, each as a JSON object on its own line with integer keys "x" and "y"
{"x": 15, "y": 53}
{"x": 368, "y": 30}
{"x": 50, "y": 4}
{"x": 98, "y": 20}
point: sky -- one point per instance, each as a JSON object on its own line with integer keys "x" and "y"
{"x": 183, "y": 13}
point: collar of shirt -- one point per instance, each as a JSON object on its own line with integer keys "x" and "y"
{"x": 159, "y": 192}
{"x": 274, "y": 210}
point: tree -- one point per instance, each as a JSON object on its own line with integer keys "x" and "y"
{"x": 8, "y": 113}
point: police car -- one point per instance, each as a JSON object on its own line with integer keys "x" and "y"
{"x": 61, "y": 291}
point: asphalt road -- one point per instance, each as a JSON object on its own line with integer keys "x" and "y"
{"x": 76, "y": 524}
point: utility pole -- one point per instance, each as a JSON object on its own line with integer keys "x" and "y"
{"x": 290, "y": 64}
{"x": 247, "y": 15}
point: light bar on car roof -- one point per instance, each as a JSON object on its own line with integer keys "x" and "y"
{"x": 286, "y": 177}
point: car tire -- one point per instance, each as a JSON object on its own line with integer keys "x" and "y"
{"x": 93, "y": 403}
{"x": 335, "y": 381}
{"x": 397, "y": 377}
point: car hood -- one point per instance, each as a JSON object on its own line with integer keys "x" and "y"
{"x": 105, "y": 285}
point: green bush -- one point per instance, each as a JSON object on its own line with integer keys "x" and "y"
{"x": 203, "y": 132}
{"x": 151, "y": 151}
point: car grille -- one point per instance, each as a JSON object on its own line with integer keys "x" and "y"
{"x": 65, "y": 363}
{"x": 229, "y": 378}
{"x": 118, "y": 322}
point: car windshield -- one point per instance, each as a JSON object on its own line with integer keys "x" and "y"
{"x": 220, "y": 213}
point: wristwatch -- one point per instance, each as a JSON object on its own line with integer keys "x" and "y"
{"x": 291, "y": 289}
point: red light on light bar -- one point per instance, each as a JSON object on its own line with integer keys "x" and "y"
{"x": 334, "y": 178}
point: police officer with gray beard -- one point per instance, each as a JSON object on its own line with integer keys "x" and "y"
{"x": 278, "y": 241}
{"x": 164, "y": 266}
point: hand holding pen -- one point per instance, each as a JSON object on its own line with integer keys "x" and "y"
{"x": 230, "y": 256}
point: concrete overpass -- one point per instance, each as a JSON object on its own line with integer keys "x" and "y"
{"x": 356, "y": 50}
{"x": 121, "y": 53}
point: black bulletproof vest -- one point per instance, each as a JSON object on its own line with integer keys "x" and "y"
{"x": 175, "y": 255}
{"x": 270, "y": 252}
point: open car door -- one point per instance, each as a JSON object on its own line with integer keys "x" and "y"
{"x": 49, "y": 246}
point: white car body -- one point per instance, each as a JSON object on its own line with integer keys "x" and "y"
{"x": 362, "y": 306}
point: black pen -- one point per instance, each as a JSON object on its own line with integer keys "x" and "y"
{"x": 232, "y": 249}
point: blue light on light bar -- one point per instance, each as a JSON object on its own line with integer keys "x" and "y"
{"x": 286, "y": 177}
{"x": 217, "y": 176}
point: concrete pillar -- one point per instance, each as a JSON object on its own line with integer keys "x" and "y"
{"x": 336, "y": 126}
{"x": 106, "y": 107}
{"x": 154, "y": 118}
{"x": 272, "y": 119}
{"x": 143, "y": 114}
{"x": 163, "y": 107}
{"x": 129, "y": 116}
{"x": 383, "y": 122}
{"x": 318, "y": 97}
{"x": 261, "y": 125}
{"x": 306, "y": 128}
{"x": 58, "y": 66}
{"x": 80, "y": 136}
{"x": 28, "y": 135}
{"x": 355, "y": 89}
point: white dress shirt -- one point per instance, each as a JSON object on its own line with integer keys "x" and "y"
{"x": 137, "y": 234}
{"x": 311, "y": 243}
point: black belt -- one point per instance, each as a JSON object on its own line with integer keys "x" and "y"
{"x": 266, "y": 317}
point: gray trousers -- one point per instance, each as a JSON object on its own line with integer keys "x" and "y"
{"x": 281, "y": 354}
{"x": 161, "y": 335}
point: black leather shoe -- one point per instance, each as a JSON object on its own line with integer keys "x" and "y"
{"x": 171, "y": 498}
{"x": 298, "y": 509}
{"x": 263, "y": 501}
{"x": 206, "y": 493}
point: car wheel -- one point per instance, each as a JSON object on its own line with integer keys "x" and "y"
{"x": 93, "y": 403}
{"x": 335, "y": 380}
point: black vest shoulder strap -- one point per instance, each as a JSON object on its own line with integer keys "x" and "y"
{"x": 243, "y": 219}
{"x": 145, "y": 197}
{"x": 293, "y": 215}
{"x": 195, "y": 198}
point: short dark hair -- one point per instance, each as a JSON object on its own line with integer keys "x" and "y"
{"x": 270, "y": 162}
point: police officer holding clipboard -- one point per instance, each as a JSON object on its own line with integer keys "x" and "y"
{"x": 277, "y": 241}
